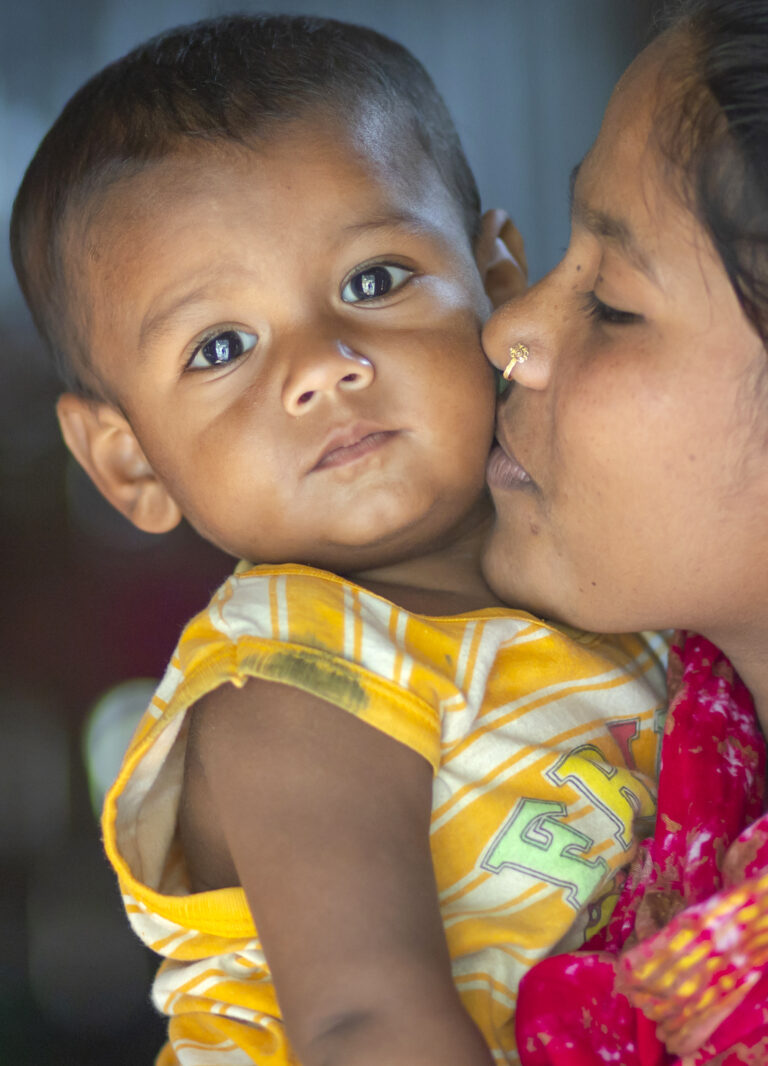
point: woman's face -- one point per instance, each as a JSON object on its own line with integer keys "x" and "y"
{"x": 631, "y": 484}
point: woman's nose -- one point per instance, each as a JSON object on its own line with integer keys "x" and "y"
{"x": 517, "y": 341}
{"x": 335, "y": 368}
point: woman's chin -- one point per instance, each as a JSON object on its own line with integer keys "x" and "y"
{"x": 507, "y": 574}
{"x": 518, "y": 574}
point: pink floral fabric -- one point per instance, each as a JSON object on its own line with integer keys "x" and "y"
{"x": 680, "y": 973}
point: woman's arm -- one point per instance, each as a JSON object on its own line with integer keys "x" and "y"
{"x": 326, "y": 820}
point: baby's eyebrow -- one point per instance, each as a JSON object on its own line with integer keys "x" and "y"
{"x": 611, "y": 228}
{"x": 155, "y": 323}
{"x": 400, "y": 219}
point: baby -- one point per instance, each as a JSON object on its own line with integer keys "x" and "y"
{"x": 366, "y": 797}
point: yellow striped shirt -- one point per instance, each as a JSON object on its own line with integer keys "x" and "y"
{"x": 543, "y": 744}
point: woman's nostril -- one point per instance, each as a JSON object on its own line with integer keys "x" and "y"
{"x": 305, "y": 398}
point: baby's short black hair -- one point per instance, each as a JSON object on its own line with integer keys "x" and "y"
{"x": 237, "y": 79}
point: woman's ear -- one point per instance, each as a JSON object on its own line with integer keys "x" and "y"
{"x": 102, "y": 441}
{"x": 500, "y": 257}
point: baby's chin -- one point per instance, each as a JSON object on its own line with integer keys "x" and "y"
{"x": 385, "y": 548}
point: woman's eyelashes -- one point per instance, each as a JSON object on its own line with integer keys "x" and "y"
{"x": 603, "y": 312}
{"x": 373, "y": 282}
{"x": 221, "y": 348}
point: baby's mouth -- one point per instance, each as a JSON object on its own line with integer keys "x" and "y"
{"x": 351, "y": 445}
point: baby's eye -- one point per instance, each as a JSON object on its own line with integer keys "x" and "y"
{"x": 373, "y": 282}
{"x": 222, "y": 348}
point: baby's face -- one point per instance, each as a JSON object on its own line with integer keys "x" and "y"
{"x": 293, "y": 334}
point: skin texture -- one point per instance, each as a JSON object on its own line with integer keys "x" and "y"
{"x": 631, "y": 486}
{"x": 331, "y": 439}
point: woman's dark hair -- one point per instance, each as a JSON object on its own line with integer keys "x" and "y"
{"x": 720, "y": 137}
{"x": 234, "y": 79}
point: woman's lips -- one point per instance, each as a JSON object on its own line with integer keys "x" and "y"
{"x": 504, "y": 471}
{"x": 342, "y": 454}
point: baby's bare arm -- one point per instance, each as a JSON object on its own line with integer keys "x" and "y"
{"x": 327, "y": 824}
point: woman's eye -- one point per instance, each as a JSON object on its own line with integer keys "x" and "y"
{"x": 221, "y": 349}
{"x": 373, "y": 282}
{"x": 602, "y": 312}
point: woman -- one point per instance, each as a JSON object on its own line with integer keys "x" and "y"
{"x": 631, "y": 486}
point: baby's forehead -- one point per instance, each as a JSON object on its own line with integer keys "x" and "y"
{"x": 364, "y": 163}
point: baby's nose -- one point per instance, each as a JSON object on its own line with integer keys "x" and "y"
{"x": 335, "y": 368}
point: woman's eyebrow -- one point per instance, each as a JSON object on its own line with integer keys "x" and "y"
{"x": 572, "y": 185}
{"x": 610, "y": 228}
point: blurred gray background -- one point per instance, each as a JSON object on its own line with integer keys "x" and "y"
{"x": 89, "y": 604}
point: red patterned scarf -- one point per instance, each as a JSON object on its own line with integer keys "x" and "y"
{"x": 686, "y": 949}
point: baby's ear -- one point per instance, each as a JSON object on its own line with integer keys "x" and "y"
{"x": 102, "y": 441}
{"x": 500, "y": 256}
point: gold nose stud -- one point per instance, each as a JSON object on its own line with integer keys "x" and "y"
{"x": 517, "y": 354}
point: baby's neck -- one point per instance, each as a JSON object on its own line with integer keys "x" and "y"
{"x": 444, "y": 581}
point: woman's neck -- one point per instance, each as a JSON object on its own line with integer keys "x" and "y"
{"x": 748, "y": 652}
